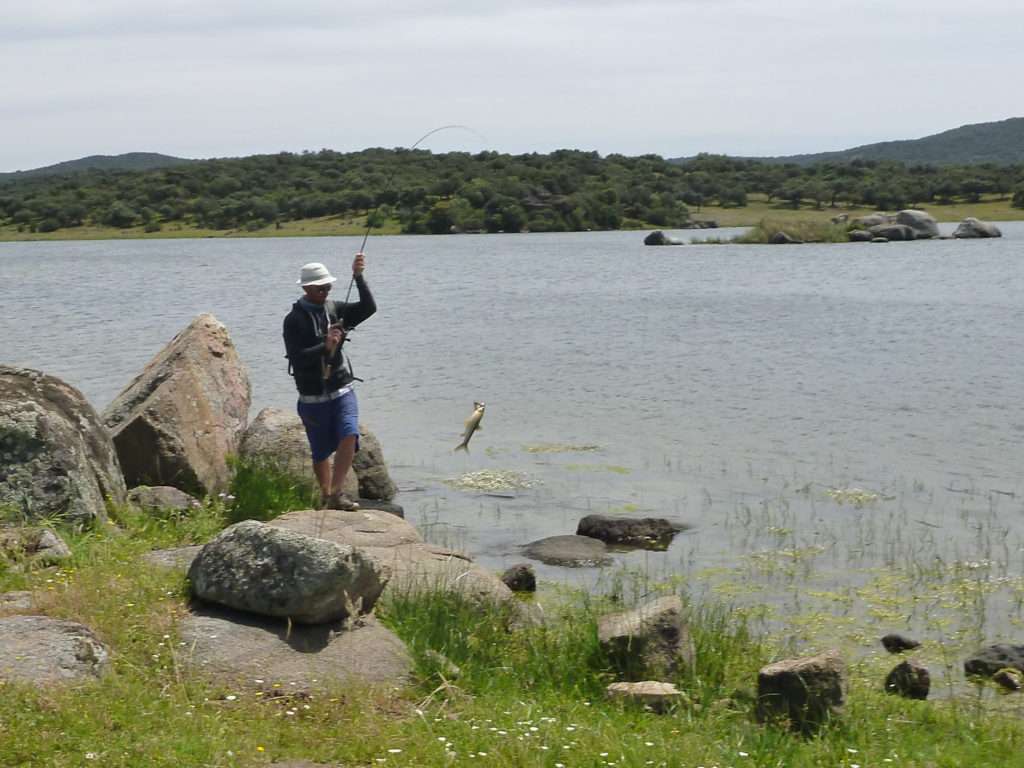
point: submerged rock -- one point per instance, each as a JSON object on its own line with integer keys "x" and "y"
{"x": 572, "y": 551}
{"x": 989, "y": 660}
{"x": 657, "y": 237}
{"x": 897, "y": 643}
{"x": 651, "y": 532}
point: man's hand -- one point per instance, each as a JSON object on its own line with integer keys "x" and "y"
{"x": 333, "y": 339}
{"x": 358, "y": 265}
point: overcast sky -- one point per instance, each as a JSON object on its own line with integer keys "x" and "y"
{"x": 216, "y": 78}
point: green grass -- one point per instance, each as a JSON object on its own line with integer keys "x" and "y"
{"x": 261, "y": 490}
{"x": 806, "y": 231}
{"x": 990, "y": 208}
{"x": 527, "y": 695}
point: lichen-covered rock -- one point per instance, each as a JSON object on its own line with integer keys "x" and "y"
{"x": 178, "y": 421}
{"x": 651, "y": 640}
{"x": 263, "y": 569}
{"x": 56, "y": 459}
{"x": 806, "y": 692}
{"x": 41, "y": 650}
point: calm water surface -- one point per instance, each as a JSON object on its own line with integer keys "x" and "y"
{"x": 729, "y": 387}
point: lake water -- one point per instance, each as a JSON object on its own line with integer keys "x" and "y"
{"x": 740, "y": 389}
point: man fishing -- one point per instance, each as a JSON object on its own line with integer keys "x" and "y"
{"x": 314, "y": 335}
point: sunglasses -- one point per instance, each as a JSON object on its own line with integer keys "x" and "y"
{"x": 321, "y": 288}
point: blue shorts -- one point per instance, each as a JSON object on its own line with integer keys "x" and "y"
{"x": 327, "y": 424}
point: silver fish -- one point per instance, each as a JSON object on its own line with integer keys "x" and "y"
{"x": 472, "y": 425}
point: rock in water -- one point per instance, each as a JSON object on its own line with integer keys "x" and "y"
{"x": 989, "y": 660}
{"x": 369, "y": 467}
{"x": 892, "y": 232}
{"x": 520, "y": 578}
{"x": 572, "y": 551}
{"x": 972, "y": 227}
{"x": 923, "y": 224}
{"x": 653, "y": 532}
{"x": 252, "y": 566}
{"x": 56, "y": 459}
{"x": 177, "y": 421}
{"x": 897, "y": 643}
{"x": 657, "y": 237}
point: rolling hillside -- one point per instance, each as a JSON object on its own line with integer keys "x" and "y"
{"x": 131, "y": 161}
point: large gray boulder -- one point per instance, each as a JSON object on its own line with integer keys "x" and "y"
{"x": 972, "y": 227}
{"x": 56, "y": 459}
{"x": 263, "y": 569}
{"x": 924, "y": 225}
{"x": 278, "y": 438}
{"x": 415, "y": 565}
{"x": 892, "y": 232}
{"x": 871, "y": 220}
{"x": 41, "y": 651}
{"x": 178, "y": 421}
{"x": 243, "y": 650}
{"x": 651, "y": 640}
{"x": 804, "y": 692}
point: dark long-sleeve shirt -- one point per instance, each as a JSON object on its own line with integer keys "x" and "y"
{"x": 304, "y": 332}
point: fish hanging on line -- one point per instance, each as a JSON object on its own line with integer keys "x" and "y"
{"x": 472, "y": 425}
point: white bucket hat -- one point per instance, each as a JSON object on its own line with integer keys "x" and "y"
{"x": 315, "y": 273}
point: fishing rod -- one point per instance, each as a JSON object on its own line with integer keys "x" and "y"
{"x": 387, "y": 185}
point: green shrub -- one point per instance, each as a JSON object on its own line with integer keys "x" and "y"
{"x": 262, "y": 490}
{"x": 804, "y": 231}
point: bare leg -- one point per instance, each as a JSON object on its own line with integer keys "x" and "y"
{"x": 343, "y": 462}
{"x": 322, "y": 470}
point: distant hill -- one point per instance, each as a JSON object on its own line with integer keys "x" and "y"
{"x": 131, "y": 161}
{"x": 1001, "y": 143}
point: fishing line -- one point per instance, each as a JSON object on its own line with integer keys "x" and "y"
{"x": 387, "y": 186}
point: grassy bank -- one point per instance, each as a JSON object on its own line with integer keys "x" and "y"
{"x": 525, "y": 696}
{"x": 757, "y": 209}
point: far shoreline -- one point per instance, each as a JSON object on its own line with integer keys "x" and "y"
{"x": 758, "y": 209}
